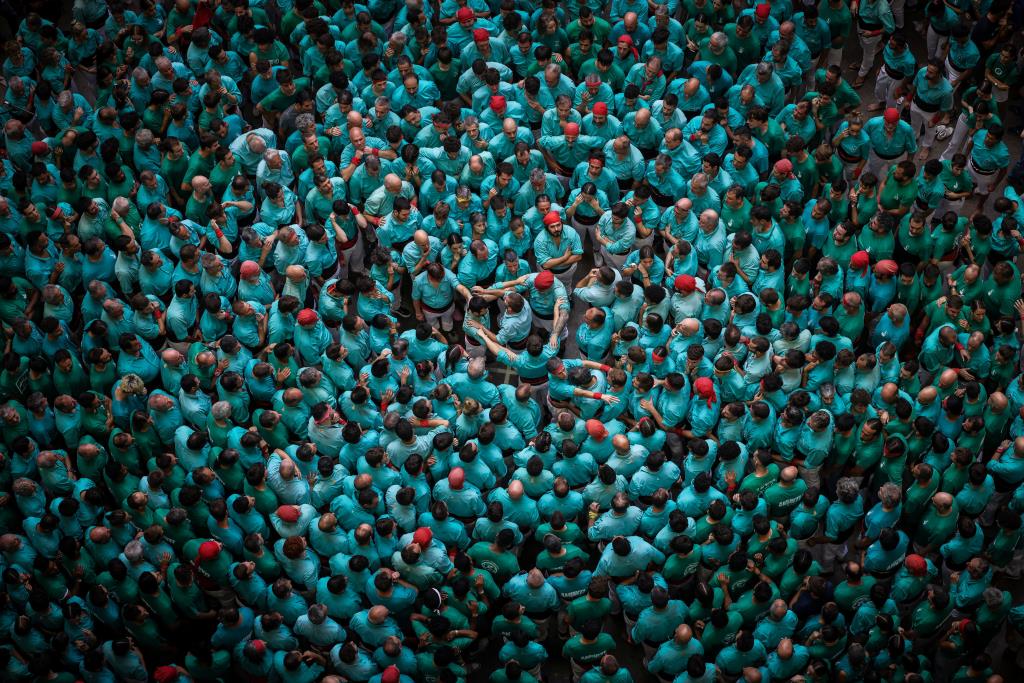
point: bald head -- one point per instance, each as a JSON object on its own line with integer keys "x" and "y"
{"x": 709, "y": 219}
{"x": 99, "y": 534}
{"x": 942, "y": 501}
{"x": 948, "y": 378}
{"x": 898, "y": 312}
{"x": 172, "y": 357}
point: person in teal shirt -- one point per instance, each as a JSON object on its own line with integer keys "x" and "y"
{"x": 890, "y": 138}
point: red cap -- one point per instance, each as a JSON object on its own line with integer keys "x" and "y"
{"x": 481, "y": 35}
{"x": 891, "y": 115}
{"x": 685, "y": 284}
{"x": 423, "y": 536}
{"x": 208, "y": 550}
{"x": 464, "y": 14}
{"x": 916, "y": 565}
{"x": 552, "y": 217}
{"x": 390, "y": 675}
{"x": 572, "y": 129}
{"x": 784, "y": 166}
{"x": 596, "y": 429}
{"x": 498, "y": 102}
{"x": 39, "y": 148}
{"x": 763, "y": 10}
{"x": 288, "y": 513}
{"x": 860, "y": 260}
{"x": 249, "y": 269}
{"x": 456, "y": 478}
{"x": 259, "y": 646}
{"x": 625, "y": 38}
{"x": 165, "y": 674}
{"x": 600, "y": 108}
{"x": 544, "y": 280}
{"x": 307, "y": 316}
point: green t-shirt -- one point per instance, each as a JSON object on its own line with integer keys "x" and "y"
{"x": 582, "y": 609}
{"x": 588, "y": 654}
{"x": 501, "y": 565}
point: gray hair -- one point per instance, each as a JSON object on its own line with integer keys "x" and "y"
{"x": 221, "y": 410}
{"x": 253, "y": 141}
{"x": 50, "y": 292}
{"x": 890, "y": 494}
{"x": 848, "y": 486}
{"x": 305, "y": 121}
{"x": 121, "y": 205}
{"x": 476, "y": 368}
{"x": 65, "y": 99}
{"x": 992, "y": 596}
{"x": 144, "y": 137}
{"x": 133, "y": 551}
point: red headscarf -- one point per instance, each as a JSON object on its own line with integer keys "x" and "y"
{"x": 861, "y": 261}
{"x": 628, "y": 40}
{"x": 705, "y": 388}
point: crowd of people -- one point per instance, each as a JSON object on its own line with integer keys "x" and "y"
{"x": 512, "y": 341}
